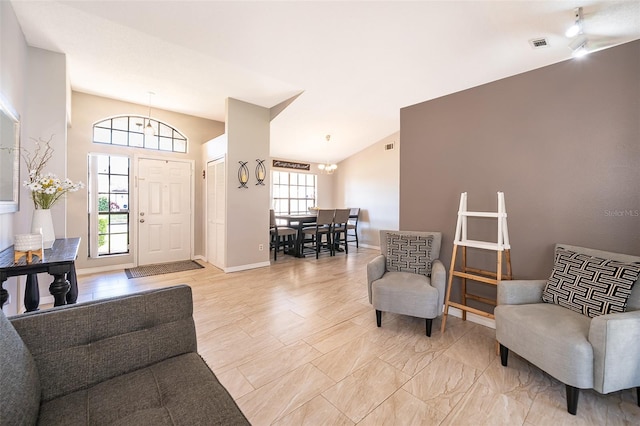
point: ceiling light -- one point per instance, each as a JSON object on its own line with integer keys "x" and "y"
{"x": 148, "y": 129}
{"x": 576, "y": 28}
{"x": 327, "y": 167}
{"x": 579, "y": 47}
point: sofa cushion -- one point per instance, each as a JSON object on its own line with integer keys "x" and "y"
{"x": 590, "y": 285}
{"x": 178, "y": 391}
{"x": 19, "y": 381}
{"x": 409, "y": 253}
{"x": 406, "y": 293}
{"x": 107, "y": 338}
{"x": 563, "y": 352}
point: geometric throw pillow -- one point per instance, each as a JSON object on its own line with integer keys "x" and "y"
{"x": 590, "y": 285}
{"x": 409, "y": 253}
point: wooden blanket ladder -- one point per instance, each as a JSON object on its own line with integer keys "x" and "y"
{"x": 474, "y": 274}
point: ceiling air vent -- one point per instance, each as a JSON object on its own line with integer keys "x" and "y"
{"x": 388, "y": 146}
{"x": 538, "y": 43}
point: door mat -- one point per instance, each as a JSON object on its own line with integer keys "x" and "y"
{"x": 162, "y": 268}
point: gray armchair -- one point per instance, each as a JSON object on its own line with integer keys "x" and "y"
{"x": 580, "y": 348}
{"x": 407, "y": 278}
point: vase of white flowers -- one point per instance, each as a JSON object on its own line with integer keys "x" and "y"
{"x": 46, "y": 190}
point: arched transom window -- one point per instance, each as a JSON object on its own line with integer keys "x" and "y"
{"x": 128, "y": 130}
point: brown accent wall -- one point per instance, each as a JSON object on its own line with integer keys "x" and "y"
{"x": 562, "y": 142}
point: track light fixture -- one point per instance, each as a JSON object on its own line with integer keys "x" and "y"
{"x": 576, "y": 28}
{"x": 579, "y": 44}
{"x": 579, "y": 47}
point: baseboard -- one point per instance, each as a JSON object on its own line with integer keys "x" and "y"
{"x": 477, "y": 319}
{"x": 87, "y": 271}
{"x": 369, "y": 246}
{"x": 46, "y": 300}
{"x": 245, "y": 267}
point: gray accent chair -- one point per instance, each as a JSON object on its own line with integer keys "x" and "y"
{"x": 407, "y": 293}
{"x": 601, "y": 353}
{"x": 128, "y": 360}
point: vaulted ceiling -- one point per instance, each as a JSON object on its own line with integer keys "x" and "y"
{"x": 354, "y": 64}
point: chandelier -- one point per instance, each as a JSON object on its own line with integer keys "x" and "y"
{"x": 327, "y": 167}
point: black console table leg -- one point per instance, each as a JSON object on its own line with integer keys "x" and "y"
{"x": 58, "y": 289}
{"x": 72, "y": 295}
{"x": 31, "y": 293}
{"x": 4, "y": 295}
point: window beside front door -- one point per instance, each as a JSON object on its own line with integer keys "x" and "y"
{"x": 109, "y": 205}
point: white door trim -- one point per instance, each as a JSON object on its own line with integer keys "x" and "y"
{"x": 208, "y": 249}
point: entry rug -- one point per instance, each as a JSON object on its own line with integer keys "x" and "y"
{"x": 162, "y": 268}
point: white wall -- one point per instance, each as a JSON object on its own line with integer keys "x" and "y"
{"x": 370, "y": 180}
{"x": 247, "y": 219}
{"x": 34, "y": 82}
{"x": 45, "y": 118}
{"x": 325, "y": 197}
{"x": 13, "y": 65}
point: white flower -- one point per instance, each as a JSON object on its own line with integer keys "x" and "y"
{"x": 47, "y": 189}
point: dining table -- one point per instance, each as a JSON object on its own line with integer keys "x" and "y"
{"x": 298, "y": 222}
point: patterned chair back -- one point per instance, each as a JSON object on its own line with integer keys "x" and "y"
{"x": 435, "y": 248}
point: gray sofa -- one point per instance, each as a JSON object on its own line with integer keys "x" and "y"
{"x": 128, "y": 360}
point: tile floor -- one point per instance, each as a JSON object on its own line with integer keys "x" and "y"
{"x": 296, "y": 343}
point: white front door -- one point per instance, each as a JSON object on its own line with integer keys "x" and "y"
{"x": 216, "y": 213}
{"x": 164, "y": 211}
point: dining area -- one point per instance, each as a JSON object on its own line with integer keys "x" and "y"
{"x": 319, "y": 231}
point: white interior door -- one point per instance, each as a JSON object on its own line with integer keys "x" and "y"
{"x": 164, "y": 211}
{"x": 216, "y": 202}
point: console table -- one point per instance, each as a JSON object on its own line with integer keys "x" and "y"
{"x": 58, "y": 261}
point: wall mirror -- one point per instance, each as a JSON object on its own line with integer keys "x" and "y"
{"x": 9, "y": 159}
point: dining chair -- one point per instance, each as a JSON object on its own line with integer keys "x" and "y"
{"x": 352, "y": 225}
{"x": 340, "y": 221}
{"x": 322, "y": 227}
{"x": 278, "y": 233}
